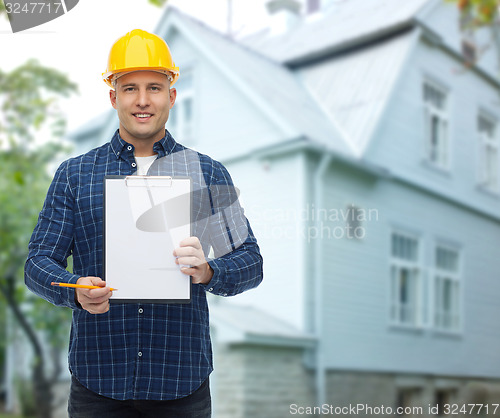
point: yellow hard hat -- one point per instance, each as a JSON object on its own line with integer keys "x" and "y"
{"x": 139, "y": 50}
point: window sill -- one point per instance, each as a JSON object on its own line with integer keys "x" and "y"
{"x": 439, "y": 169}
{"x": 443, "y": 333}
{"x": 408, "y": 328}
{"x": 488, "y": 191}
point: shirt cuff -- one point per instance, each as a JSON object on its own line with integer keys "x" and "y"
{"x": 68, "y": 293}
{"x": 215, "y": 285}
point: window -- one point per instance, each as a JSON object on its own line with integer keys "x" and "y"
{"x": 405, "y": 280}
{"x": 181, "y": 121}
{"x": 446, "y": 289}
{"x": 407, "y": 400}
{"x": 354, "y": 226}
{"x": 443, "y": 397}
{"x": 488, "y": 153}
{"x": 436, "y": 126}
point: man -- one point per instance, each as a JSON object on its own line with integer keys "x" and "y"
{"x": 140, "y": 360}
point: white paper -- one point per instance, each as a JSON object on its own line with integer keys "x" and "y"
{"x": 145, "y": 220}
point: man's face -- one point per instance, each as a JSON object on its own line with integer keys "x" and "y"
{"x": 143, "y": 100}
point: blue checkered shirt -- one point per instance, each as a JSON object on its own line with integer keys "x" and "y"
{"x": 137, "y": 350}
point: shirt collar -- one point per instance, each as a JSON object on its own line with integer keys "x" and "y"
{"x": 163, "y": 147}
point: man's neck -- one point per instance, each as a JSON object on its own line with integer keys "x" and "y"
{"x": 143, "y": 147}
{"x": 141, "y": 151}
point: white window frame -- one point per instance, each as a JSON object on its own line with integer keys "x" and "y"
{"x": 449, "y": 322}
{"x": 400, "y": 315}
{"x": 183, "y": 130}
{"x": 437, "y": 154}
{"x": 489, "y": 152}
{"x": 353, "y": 222}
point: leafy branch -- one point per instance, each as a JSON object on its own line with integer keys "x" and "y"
{"x": 478, "y": 13}
{"x": 29, "y": 97}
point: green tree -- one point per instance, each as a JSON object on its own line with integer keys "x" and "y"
{"x": 479, "y": 14}
{"x": 29, "y": 98}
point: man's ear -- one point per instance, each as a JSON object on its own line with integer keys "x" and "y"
{"x": 112, "y": 98}
{"x": 173, "y": 96}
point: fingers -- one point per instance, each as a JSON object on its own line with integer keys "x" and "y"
{"x": 189, "y": 261}
{"x": 201, "y": 274}
{"x": 92, "y": 281}
{"x": 190, "y": 256}
{"x": 190, "y": 252}
{"x": 191, "y": 242}
{"x": 96, "y": 308}
{"x": 95, "y": 301}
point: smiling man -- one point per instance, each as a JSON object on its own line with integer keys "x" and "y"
{"x": 138, "y": 359}
{"x": 143, "y": 100}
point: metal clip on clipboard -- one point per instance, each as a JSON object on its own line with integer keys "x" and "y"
{"x": 149, "y": 181}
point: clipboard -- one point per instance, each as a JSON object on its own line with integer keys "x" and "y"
{"x": 145, "y": 218}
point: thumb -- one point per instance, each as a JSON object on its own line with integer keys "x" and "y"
{"x": 97, "y": 281}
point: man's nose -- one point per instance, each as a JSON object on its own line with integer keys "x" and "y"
{"x": 142, "y": 98}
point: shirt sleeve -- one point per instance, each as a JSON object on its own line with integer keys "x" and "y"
{"x": 238, "y": 263}
{"x": 51, "y": 244}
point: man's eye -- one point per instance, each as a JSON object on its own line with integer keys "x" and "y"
{"x": 154, "y": 88}
{"x": 129, "y": 89}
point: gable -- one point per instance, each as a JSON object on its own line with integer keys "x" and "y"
{"x": 354, "y": 88}
{"x": 225, "y": 122}
{"x": 272, "y": 90}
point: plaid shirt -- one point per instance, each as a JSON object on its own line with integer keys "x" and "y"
{"x": 138, "y": 351}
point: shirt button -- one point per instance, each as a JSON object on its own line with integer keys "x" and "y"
{"x": 139, "y": 353}
{"x": 225, "y": 294}
{"x": 134, "y": 164}
{"x": 210, "y": 289}
{"x": 129, "y": 148}
{"x": 141, "y": 310}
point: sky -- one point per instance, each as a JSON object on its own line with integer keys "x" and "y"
{"x": 78, "y": 43}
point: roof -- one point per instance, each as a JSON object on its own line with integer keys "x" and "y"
{"x": 345, "y": 23}
{"x": 276, "y": 90}
{"x": 246, "y": 324}
{"x": 356, "y": 86}
{"x": 325, "y": 103}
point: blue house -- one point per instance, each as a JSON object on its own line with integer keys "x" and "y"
{"x": 367, "y": 155}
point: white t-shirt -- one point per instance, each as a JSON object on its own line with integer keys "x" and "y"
{"x": 143, "y": 164}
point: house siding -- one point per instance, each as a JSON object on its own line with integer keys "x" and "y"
{"x": 273, "y": 197}
{"x": 379, "y": 391}
{"x": 399, "y": 143}
{"x": 368, "y": 359}
{"x": 358, "y": 333}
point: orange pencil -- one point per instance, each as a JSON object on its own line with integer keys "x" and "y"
{"x": 80, "y": 286}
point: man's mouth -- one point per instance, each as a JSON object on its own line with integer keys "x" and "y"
{"x": 143, "y": 115}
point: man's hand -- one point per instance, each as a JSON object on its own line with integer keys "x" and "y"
{"x": 95, "y": 301}
{"x": 191, "y": 254}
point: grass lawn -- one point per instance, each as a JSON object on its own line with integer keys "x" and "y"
{"x": 9, "y": 416}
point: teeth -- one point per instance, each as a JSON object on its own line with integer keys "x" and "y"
{"x": 143, "y": 115}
